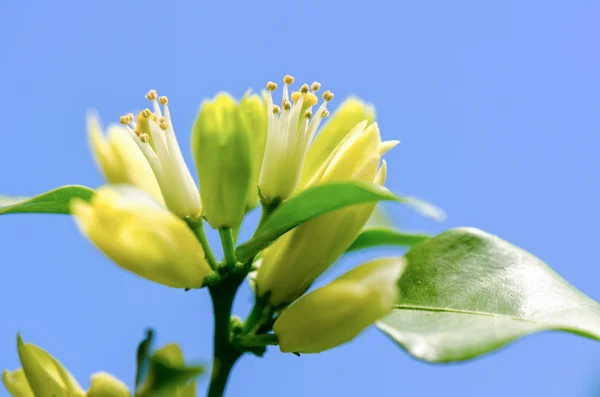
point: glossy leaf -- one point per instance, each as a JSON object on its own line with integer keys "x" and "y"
{"x": 52, "y": 202}
{"x": 467, "y": 292}
{"x": 309, "y": 204}
{"x": 377, "y": 237}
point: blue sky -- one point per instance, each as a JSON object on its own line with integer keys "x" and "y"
{"x": 496, "y": 105}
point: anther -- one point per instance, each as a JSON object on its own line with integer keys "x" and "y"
{"x": 328, "y": 95}
{"x": 315, "y": 86}
{"x": 304, "y": 88}
{"x": 144, "y": 137}
{"x": 295, "y": 96}
{"x": 161, "y": 120}
{"x": 307, "y": 114}
{"x": 288, "y": 79}
{"x": 151, "y": 95}
{"x": 286, "y": 104}
{"x": 163, "y": 126}
{"x": 163, "y": 100}
{"x": 324, "y": 113}
{"x": 271, "y": 86}
{"x": 276, "y": 109}
{"x": 124, "y": 119}
{"x": 146, "y": 113}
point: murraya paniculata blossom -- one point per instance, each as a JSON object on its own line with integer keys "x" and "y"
{"x": 41, "y": 375}
{"x": 341, "y": 310}
{"x": 222, "y": 145}
{"x": 291, "y": 128}
{"x": 153, "y": 134}
{"x": 291, "y": 264}
{"x": 142, "y": 237}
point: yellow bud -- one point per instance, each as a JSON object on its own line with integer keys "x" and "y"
{"x": 340, "y": 311}
{"x": 120, "y": 159}
{"x": 221, "y": 147}
{"x": 291, "y": 264}
{"x": 106, "y": 385}
{"x": 351, "y": 112}
{"x": 142, "y": 237}
{"x": 253, "y": 111}
{"x": 16, "y": 383}
{"x": 45, "y": 375}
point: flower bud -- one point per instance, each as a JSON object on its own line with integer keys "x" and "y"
{"x": 351, "y": 112}
{"x": 340, "y": 311}
{"x": 41, "y": 375}
{"x": 221, "y": 145}
{"x": 106, "y": 385}
{"x": 142, "y": 237}
{"x": 16, "y": 383}
{"x": 295, "y": 260}
{"x": 253, "y": 111}
{"x": 119, "y": 158}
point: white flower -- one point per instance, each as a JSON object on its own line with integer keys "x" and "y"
{"x": 154, "y": 135}
{"x": 291, "y": 129}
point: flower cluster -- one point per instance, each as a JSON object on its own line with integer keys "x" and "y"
{"x": 149, "y": 218}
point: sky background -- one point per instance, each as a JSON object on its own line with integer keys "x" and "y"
{"x": 496, "y": 104}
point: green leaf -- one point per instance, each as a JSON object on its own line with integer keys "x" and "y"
{"x": 168, "y": 375}
{"x": 143, "y": 356}
{"x": 467, "y": 292}
{"x": 163, "y": 377}
{"x": 309, "y": 204}
{"x": 382, "y": 236}
{"x": 52, "y": 202}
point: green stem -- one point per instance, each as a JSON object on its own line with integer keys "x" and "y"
{"x": 198, "y": 229}
{"x": 249, "y": 341}
{"x": 225, "y": 353}
{"x": 228, "y": 246}
{"x": 255, "y": 318}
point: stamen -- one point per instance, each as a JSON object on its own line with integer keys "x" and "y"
{"x": 271, "y": 86}
{"x": 125, "y": 119}
{"x": 163, "y": 126}
{"x": 151, "y": 95}
{"x": 288, "y": 79}
{"x": 307, "y": 114}
{"x": 144, "y": 137}
{"x": 161, "y": 120}
{"x": 315, "y": 86}
{"x": 310, "y": 99}
{"x": 276, "y": 109}
{"x": 130, "y": 115}
{"x": 304, "y": 88}
{"x": 163, "y": 100}
{"x": 328, "y": 95}
{"x": 146, "y": 113}
{"x": 286, "y": 104}
{"x": 324, "y": 113}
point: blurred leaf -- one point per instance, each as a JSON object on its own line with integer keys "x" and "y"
{"x": 52, "y": 202}
{"x": 466, "y": 292}
{"x": 381, "y": 217}
{"x": 168, "y": 375}
{"x": 143, "y": 357}
{"x": 309, "y": 204}
{"x": 164, "y": 377}
{"x": 381, "y": 236}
